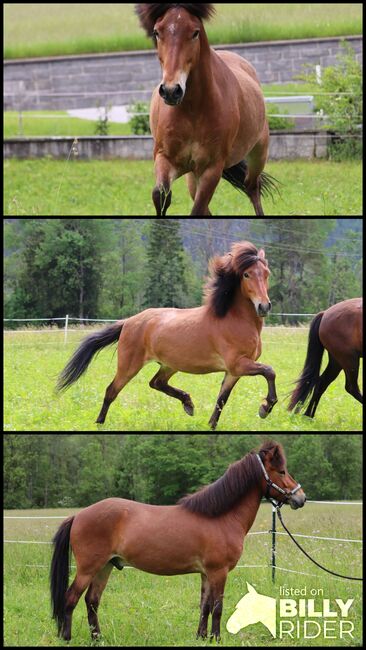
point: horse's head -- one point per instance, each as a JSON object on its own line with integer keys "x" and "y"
{"x": 176, "y": 30}
{"x": 178, "y": 42}
{"x": 277, "y": 482}
{"x": 252, "y": 268}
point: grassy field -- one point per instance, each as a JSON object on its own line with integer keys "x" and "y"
{"x": 56, "y": 28}
{"x": 33, "y": 361}
{"x": 139, "y": 609}
{"x": 123, "y": 188}
{"x": 54, "y": 123}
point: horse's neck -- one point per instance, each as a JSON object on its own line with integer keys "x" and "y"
{"x": 201, "y": 79}
{"x": 245, "y": 511}
{"x": 242, "y": 307}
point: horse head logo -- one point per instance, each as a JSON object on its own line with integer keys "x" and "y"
{"x": 253, "y": 608}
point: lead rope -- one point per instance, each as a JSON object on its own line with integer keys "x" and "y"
{"x": 307, "y": 554}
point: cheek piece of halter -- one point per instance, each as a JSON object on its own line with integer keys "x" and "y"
{"x": 286, "y": 493}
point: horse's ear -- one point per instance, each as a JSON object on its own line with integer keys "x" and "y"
{"x": 262, "y": 255}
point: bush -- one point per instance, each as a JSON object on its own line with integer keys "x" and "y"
{"x": 140, "y": 124}
{"x": 278, "y": 123}
{"x": 342, "y": 102}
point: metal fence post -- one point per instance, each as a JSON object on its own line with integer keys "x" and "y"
{"x": 66, "y": 328}
{"x": 273, "y": 544}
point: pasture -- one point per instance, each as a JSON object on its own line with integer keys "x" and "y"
{"x": 33, "y": 361}
{"x": 52, "y": 30}
{"x": 139, "y": 609}
{"x": 123, "y": 188}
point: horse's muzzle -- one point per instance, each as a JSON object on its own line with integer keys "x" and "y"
{"x": 263, "y": 309}
{"x": 172, "y": 96}
{"x": 297, "y": 501}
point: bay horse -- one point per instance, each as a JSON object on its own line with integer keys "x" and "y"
{"x": 207, "y": 114}
{"x": 339, "y": 331}
{"x": 224, "y": 335}
{"x": 204, "y": 533}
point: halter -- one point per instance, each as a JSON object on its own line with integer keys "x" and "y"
{"x": 270, "y": 484}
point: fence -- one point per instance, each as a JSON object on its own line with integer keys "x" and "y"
{"x": 67, "y": 319}
{"x": 273, "y": 532}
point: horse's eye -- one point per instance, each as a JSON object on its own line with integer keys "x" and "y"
{"x": 283, "y": 473}
{"x": 155, "y": 34}
{"x": 245, "y": 275}
{"x": 196, "y": 34}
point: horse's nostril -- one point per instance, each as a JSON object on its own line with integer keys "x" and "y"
{"x": 178, "y": 92}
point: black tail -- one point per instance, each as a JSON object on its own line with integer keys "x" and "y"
{"x": 85, "y": 352}
{"x": 236, "y": 176}
{"x": 60, "y": 568}
{"x": 311, "y": 372}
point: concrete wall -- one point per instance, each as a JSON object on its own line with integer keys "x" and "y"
{"x": 84, "y": 81}
{"x": 307, "y": 145}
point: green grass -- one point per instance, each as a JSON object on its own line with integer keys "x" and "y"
{"x": 139, "y": 609}
{"x": 123, "y": 188}
{"x": 33, "y": 361}
{"x": 108, "y": 27}
{"x": 54, "y": 123}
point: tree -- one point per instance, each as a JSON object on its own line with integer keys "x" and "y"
{"x": 166, "y": 286}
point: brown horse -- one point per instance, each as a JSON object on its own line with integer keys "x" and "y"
{"x": 203, "y": 534}
{"x": 338, "y": 330}
{"x": 222, "y": 335}
{"x": 208, "y": 113}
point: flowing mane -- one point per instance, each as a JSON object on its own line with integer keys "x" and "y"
{"x": 219, "y": 497}
{"x": 226, "y": 272}
{"x": 149, "y": 13}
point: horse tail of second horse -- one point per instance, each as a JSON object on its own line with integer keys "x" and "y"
{"x": 311, "y": 372}
{"x": 81, "y": 359}
{"x": 59, "y": 576}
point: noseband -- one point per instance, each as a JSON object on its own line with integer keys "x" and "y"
{"x": 270, "y": 484}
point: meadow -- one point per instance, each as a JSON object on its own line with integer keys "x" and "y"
{"x": 123, "y": 188}
{"x": 33, "y": 361}
{"x": 139, "y": 609}
{"x": 52, "y": 30}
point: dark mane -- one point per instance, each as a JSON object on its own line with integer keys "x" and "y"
{"x": 226, "y": 272}
{"x": 149, "y": 13}
{"x": 219, "y": 497}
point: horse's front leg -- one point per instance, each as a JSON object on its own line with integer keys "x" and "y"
{"x": 162, "y": 195}
{"x": 246, "y": 367}
{"x": 206, "y": 187}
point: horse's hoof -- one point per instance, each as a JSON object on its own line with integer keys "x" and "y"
{"x": 189, "y": 409}
{"x": 263, "y": 410}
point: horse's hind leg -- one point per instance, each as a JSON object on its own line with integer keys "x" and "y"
{"x": 351, "y": 372}
{"x": 160, "y": 382}
{"x": 126, "y": 371}
{"x": 257, "y": 160}
{"x": 330, "y": 374}
{"x": 93, "y": 596}
{"x": 72, "y": 598}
